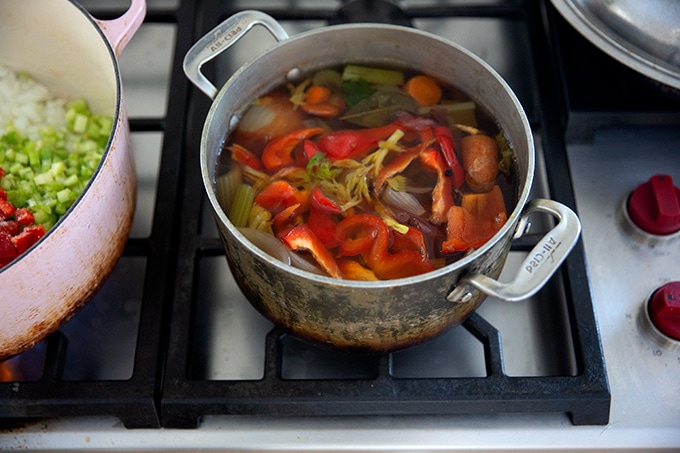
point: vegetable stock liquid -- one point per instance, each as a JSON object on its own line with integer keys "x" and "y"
{"x": 355, "y": 104}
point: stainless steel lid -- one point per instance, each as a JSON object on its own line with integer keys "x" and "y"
{"x": 644, "y": 36}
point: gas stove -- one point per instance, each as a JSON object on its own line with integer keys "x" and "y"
{"x": 169, "y": 355}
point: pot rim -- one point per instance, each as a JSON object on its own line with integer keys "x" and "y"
{"x": 114, "y": 131}
{"x": 510, "y": 224}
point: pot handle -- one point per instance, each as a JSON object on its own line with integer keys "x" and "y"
{"x": 120, "y": 31}
{"x": 541, "y": 263}
{"x": 220, "y": 39}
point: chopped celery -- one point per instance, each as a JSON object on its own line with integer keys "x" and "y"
{"x": 240, "y": 207}
{"x": 457, "y": 112}
{"x": 377, "y": 76}
{"x": 328, "y": 78}
{"x": 47, "y": 175}
{"x": 227, "y": 185}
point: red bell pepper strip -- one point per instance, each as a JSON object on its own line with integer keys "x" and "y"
{"x": 395, "y": 166}
{"x": 442, "y": 194}
{"x": 479, "y": 217}
{"x": 321, "y": 202}
{"x": 278, "y": 151}
{"x": 444, "y": 138}
{"x": 354, "y": 143}
{"x": 322, "y": 213}
{"x": 356, "y": 233}
{"x": 302, "y": 237}
{"x": 287, "y": 218}
{"x": 352, "y": 270}
{"x": 244, "y": 157}
{"x": 280, "y": 195}
{"x": 310, "y": 148}
{"x": 370, "y": 237}
{"x": 412, "y": 240}
{"x": 388, "y": 265}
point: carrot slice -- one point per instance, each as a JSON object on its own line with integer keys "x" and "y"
{"x": 316, "y": 94}
{"x": 425, "y": 90}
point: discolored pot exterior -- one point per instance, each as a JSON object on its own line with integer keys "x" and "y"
{"x": 346, "y": 314}
{"x": 60, "y": 45}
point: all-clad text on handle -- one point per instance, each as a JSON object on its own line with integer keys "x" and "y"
{"x": 541, "y": 263}
{"x": 220, "y": 39}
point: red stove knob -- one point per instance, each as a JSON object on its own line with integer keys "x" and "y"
{"x": 664, "y": 309}
{"x": 655, "y": 206}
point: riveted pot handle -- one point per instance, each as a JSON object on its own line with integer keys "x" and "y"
{"x": 542, "y": 262}
{"x": 220, "y": 39}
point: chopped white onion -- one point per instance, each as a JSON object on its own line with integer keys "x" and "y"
{"x": 268, "y": 243}
{"x": 256, "y": 118}
{"x": 403, "y": 200}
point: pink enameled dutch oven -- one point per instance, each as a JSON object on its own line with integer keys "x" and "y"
{"x": 58, "y": 43}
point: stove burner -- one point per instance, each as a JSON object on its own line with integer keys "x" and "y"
{"x": 377, "y": 11}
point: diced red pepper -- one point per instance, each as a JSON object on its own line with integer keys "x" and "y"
{"x": 280, "y": 195}
{"x": 10, "y": 226}
{"x": 442, "y": 194}
{"x": 28, "y": 236}
{"x": 24, "y": 216}
{"x": 353, "y": 144}
{"x": 7, "y": 250}
{"x": 302, "y": 237}
{"x": 245, "y": 157}
{"x": 279, "y": 151}
{"x": 3, "y": 194}
{"x": 479, "y": 217}
{"x": 6, "y": 209}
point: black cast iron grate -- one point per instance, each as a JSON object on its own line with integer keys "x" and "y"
{"x": 161, "y": 392}
{"x": 585, "y": 396}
